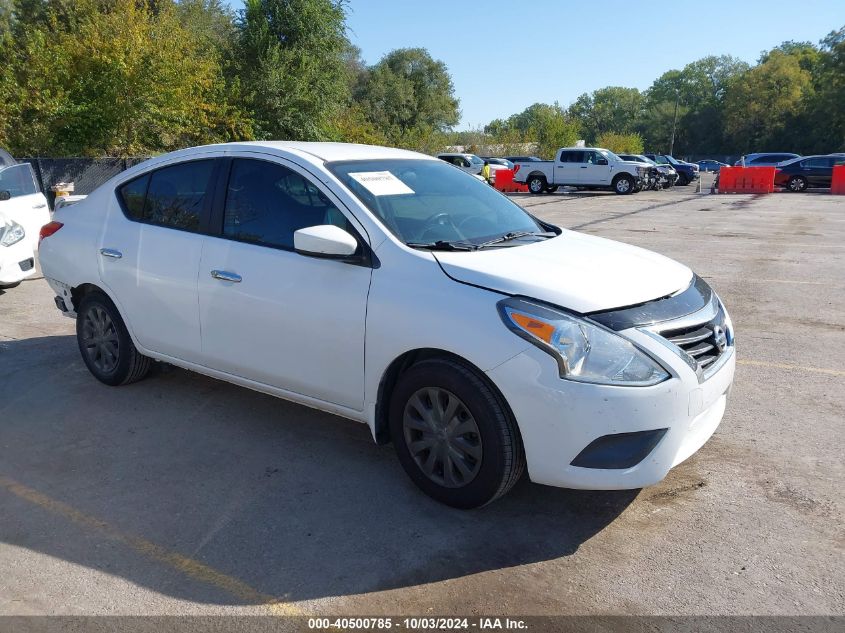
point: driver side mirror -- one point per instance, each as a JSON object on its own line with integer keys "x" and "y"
{"x": 5, "y": 195}
{"x": 601, "y": 161}
{"x": 326, "y": 240}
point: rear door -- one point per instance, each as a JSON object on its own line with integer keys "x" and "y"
{"x": 150, "y": 254}
{"x": 568, "y": 167}
{"x": 819, "y": 171}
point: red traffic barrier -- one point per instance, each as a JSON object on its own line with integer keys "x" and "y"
{"x": 837, "y": 183}
{"x": 504, "y": 182}
{"x": 747, "y": 179}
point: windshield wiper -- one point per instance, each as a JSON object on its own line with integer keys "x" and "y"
{"x": 443, "y": 245}
{"x": 514, "y": 235}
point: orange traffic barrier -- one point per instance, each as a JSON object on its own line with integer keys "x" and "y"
{"x": 837, "y": 184}
{"x": 504, "y": 182}
{"x": 747, "y": 179}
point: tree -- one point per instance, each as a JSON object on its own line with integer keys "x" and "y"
{"x": 621, "y": 143}
{"x": 407, "y": 95}
{"x": 760, "y": 103}
{"x": 114, "y": 78}
{"x": 291, "y": 65}
{"x": 611, "y": 109}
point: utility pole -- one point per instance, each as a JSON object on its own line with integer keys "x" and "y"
{"x": 674, "y": 124}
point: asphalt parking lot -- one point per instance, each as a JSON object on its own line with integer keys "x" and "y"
{"x": 184, "y": 495}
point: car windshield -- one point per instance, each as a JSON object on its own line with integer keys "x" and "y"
{"x": 672, "y": 160}
{"x": 475, "y": 160}
{"x": 608, "y": 154}
{"x": 643, "y": 159}
{"x": 426, "y": 202}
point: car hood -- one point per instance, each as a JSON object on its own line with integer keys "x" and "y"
{"x": 579, "y": 272}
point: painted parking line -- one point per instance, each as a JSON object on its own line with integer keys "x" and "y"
{"x": 189, "y": 567}
{"x": 787, "y": 366}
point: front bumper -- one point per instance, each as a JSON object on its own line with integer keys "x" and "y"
{"x": 559, "y": 418}
{"x": 17, "y": 262}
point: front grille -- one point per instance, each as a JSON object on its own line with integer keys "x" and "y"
{"x": 703, "y": 342}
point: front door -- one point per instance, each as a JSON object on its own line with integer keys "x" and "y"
{"x": 274, "y": 316}
{"x": 593, "y": 172}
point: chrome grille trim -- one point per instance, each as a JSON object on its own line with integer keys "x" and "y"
{"x": 703, "y": 339}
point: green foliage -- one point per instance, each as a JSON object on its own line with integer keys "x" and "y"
{"x": 93, "y": 78}
{"x": 408, "y": 95}
{"x": 761, "y": 103}
{"x": 290, "y": 63}
{"x": 549, "y": 127}
{"x": 621, "y": 143}
{"x": 611, "y": 109}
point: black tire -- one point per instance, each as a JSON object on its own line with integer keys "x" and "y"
{"x": 113, "y": 360}
{"x": 551, "y": 189}
{"x": 683, "y": 180}
{"x": 797, "y": 184}
{"x": 623, "y": 184}
{"x": 502, "y": 460}
{"x": 536, "y": 184}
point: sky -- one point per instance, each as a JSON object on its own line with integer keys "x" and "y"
{"x": 504, "y": 55}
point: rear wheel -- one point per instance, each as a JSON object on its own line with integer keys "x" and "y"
{"x": 551, "y": 189}
{"x": 105, "y": 344}
{"x": 623, "y": 184}
{"x": 536, "y": 184}
{"x": 453, "y": 436}
{"x": 797, "y": 184}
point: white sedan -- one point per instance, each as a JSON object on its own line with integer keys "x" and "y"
{"x": 389, "y": 288}
{"x": 23, "y": 211}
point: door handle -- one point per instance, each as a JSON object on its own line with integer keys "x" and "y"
{"x": 583, "y": 167}
{"x": 222, "y": 275}
{"x": 39, "y": 206}
{"x": 110, "y": 252}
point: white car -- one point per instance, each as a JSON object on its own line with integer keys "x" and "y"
{"x": 471, "y": 164}
{"x": 23, "y": 211}
{"x": 389, "y": 288}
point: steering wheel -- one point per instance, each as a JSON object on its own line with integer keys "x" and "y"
{"x": 439, "y": 220}
{"x": 477, "y": 225}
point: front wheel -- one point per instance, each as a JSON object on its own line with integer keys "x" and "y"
{"x": 536, "y": 184}
{"x": 105, "y": 344}
{"x": 623, "y": 184}
{"x": 683, "y": 180}
{"x": 797, "y": 184}
{"x": 551, "y": 189}
{"x": 453, "y": 436}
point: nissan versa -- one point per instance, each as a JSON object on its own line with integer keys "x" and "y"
{"x": 393, "y": 289}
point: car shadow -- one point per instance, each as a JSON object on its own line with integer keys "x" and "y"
{"x": 292, "y": 502}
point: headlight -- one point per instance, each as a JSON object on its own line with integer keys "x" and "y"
{"x": 584, "y": 351}
{"x": 11, "y": 233}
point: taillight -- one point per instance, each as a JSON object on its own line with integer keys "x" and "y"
{"x": 516, "y": 168}
{"x": 48, "y": 229}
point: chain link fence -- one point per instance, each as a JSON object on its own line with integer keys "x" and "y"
{"x": 85, "y": 173}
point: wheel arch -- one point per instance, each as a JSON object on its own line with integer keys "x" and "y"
{"x": 390, "y": 376}
{"x": 79, "y": 292}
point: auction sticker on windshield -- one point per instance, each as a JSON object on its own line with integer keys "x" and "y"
{"x": 381, "y": 183}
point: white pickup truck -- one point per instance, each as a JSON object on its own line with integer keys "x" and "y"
{"x": 589, "y": 167}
